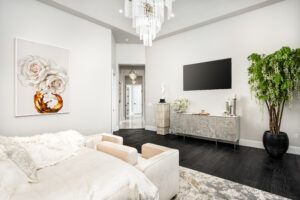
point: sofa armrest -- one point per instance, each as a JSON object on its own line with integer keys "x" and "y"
{"x": 161, "y": 168}
{"x": 93, "y": 140}
{"x": 112, "y": 138}
{"x": 125, "y": 153}
{"x": 149, "y": 150}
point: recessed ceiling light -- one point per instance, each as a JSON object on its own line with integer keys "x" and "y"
{"x": 120, "y": 10}
{"x": 126, "y": 39}
{"x": 172, "y": 15}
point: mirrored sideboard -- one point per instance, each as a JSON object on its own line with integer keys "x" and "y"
{"x": 217, "y": 128}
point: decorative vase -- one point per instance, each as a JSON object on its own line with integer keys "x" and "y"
{"x": 276, "y": 145}
{"x": 42, "y": 107}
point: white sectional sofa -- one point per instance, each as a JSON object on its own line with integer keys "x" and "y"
{"x": 69, "y": 166}
{"x": 59, "y": 167}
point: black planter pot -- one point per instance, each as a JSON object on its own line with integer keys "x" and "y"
{"x": 276, "y": 144}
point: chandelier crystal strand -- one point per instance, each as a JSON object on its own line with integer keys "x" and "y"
{"x": 148, "y": 17}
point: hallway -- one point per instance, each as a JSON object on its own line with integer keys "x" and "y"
{"x": 133, "y": 122}
{"x": 131, "y": 96}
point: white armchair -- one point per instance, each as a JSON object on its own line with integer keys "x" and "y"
{"x": 161, "y": 165}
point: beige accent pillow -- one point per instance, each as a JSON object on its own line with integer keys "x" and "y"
{"x": 16, "y": 153}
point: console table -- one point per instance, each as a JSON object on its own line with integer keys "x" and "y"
{"x": 217, "y": 128}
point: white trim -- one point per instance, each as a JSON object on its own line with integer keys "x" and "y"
{"x": 294, "y": 150}
{"x": 150, "y": 128}
{"x": 259, "y": 145}
{"x": 246, "y": 142}
{"x": 251, "y": 143}
{"x": 116, "y": 129}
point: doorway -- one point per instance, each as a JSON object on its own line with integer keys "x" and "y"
{"x": 131, "y": 104}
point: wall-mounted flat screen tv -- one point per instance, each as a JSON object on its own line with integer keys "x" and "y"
{"x": 207, "y": 75}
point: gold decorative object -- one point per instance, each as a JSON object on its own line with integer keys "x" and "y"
{"x": 202, "y": 113}
{"x": 42, "y": 107}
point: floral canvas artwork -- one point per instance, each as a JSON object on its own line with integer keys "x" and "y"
{"x": 42, "y": 81}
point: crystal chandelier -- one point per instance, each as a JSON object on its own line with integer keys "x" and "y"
{"x": 148, "y": 17}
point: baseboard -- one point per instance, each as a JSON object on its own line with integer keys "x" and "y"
{"x": 150, "y": 128}
{"x": 116, "y": 129}
{"x": 258, "y": 144}
{"x": 251, "y": 143}
{"x": 246, "y": 142}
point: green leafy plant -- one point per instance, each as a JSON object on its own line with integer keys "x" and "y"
{"x": 275, "y": 79}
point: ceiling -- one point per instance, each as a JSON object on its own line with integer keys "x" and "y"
{"x": 189, "y": 14}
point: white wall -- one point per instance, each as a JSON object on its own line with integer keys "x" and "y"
{"x": 130, "y": 54}
{"x": 262, "y": 31}
{"x": 114, "y": 87}
{"x": 90, "y": 67}
{"x": 126, "y": 54}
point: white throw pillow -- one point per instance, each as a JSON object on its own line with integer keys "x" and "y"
{"x": 16, "y": 153}
{"x": 50, "y": 149}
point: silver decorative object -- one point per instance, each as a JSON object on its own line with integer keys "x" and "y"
{"x": 234, "y": 106}
{"x": 227, "y": 108}
{"x": 231, "y": 110}
{"x": 230, "y": 106}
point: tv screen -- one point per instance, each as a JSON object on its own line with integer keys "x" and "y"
{"x": 207, "y": 75}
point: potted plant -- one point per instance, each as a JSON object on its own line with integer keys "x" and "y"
{"x": 274, "y": 79}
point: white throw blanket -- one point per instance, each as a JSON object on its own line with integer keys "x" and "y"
{"x": 90, "y": 175}
{"x": 48, "y": 149}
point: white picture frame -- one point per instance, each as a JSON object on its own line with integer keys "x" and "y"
{"x": 41, "y": 78}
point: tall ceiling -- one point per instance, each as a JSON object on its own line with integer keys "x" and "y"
{"x": 189, "y": 14}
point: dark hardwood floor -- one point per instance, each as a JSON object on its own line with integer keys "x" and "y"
{"x": 245, "y": 165}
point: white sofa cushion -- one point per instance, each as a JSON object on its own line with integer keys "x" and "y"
{"x": 90, "y": 175}
{"x": 11, "y": 178}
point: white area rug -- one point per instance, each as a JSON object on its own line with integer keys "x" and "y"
{"x": 195, "y": 185}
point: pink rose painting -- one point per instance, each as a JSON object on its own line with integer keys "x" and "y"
{"x": 42, "y": 83}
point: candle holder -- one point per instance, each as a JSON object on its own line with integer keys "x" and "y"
{"x": 230, "y": 106}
